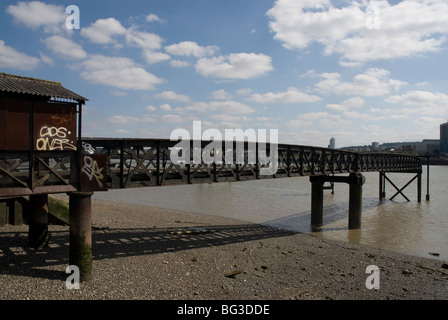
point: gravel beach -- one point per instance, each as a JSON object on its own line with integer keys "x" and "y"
{"x": 148, "y": 253}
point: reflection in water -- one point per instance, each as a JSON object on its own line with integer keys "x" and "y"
{"x": 301, "y": 222}
{"x": 410, "y": 227}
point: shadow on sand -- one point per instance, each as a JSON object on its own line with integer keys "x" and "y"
{"x": 16, "y": 258}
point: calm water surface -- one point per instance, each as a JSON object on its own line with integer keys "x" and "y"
{"x": 410, "y": 227}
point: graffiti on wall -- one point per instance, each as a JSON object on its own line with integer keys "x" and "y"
{"x": 54, "y": 138}
{"x": 92, "y": 170}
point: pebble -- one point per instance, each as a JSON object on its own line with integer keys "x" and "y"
{"x": 195, "y": 265}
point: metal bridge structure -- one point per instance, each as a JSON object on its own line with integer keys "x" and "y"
{"x": 147, "y": 162}
{"x": 42, "y": 152}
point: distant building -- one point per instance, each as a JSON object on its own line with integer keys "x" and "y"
{"x": 444, "y": 138}
{"x": 332, "y": 144}
{"x": 428, "y": 146}
{"x": 375, "y": 145}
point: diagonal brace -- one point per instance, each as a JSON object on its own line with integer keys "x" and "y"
{"x": 400, "y": 190}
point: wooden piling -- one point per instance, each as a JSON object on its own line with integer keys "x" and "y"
{"x": 317, "y": 201}
{"x": 4, "y": 213}
{"x": 419, "y": 187}
{"x": 356, "y": 180}
{"x": 80, "y": 253}
{"x": 382, "y": 185}
{"x": 38, "y": 221}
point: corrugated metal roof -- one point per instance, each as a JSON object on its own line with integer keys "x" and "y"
{"x": 38, "y": 87}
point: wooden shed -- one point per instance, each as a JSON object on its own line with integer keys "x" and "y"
{"x": 38, "y": 114}
{"x": 40, "y": 134}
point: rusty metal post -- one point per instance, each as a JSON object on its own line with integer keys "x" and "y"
{"x": 356, "y": 180}
{"x": 317, "y": 201}
{"x": 81, "y": 233}
{"x": 38, "y": 221}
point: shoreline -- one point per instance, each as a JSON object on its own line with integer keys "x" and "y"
{"x": 147, "y": 253}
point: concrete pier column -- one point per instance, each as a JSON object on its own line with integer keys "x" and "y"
{"x": 356, "y": 180}
{"x": 317, "y": 201}
{"x": 38, "y": 221}
{"x": 81, "y": 233}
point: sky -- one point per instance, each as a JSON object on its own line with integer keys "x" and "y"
{"x": 358, "y": 71}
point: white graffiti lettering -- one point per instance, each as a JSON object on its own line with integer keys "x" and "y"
{"x": 54, "y": 138}
{"x": 92, "y": 170}
{"x": 88, "y": 148}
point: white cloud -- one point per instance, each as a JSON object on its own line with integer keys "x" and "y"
{"x": 421, "y": 102}
{"x": 221, "y": 95}
{"x": 171, "y": 95}
{"x": 103, "y": 31}
{"x": 292, "y": 95}
{"x": 235, "y": 66}
{"x": 179, "y": 63}
{"x": 297, "y": 23}
{"x": 329, "y": 82}
{"x": 419, "y": 98}
{"x": 373, "y": 82}
{"x": 108, "y": 31}
{"x": 155, "y": 56}
{"x": 407, "y": 28}
{"x": 145, "y": 40}
{"x": 118, "y": 72}
{"x": 298, "y": 123}
{"x": 36, "y": 14}
{"x": 359, "y": 115}
{"x": 122, "y": 131}
{"x": 11, "y": 58}
{"x": 190, "y": 48}
{"x": 244, "y": 92}
{"x": 65, "y": 48}
{"x": 398, "y": 116}
{"x": 153, "y": 18}
{"x": 311, "y": 116}
{"x": 354, "y": 102}
{"x": 226, "y": 107}
{"x": 150, "y": 108}
{"x": 324, "y": 120}
{"x": 165, "y": 107}
{"x": 97, "y": 62}
{"x": 172, "y": 118}
{"x": 226, "y": 117}
{"x": 46, "y": 59}
{"x": 129, "y": 120}
{"x": 149, "y": 43}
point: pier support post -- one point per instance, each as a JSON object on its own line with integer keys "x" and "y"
{"x": 356, "y": 180}
{"x": 38, "y": 221}
{"x": 427, "y": 179}
{"x": 419, "y": 187}
{"x": 382, "y": 186}
{"x": 317, "y": 201}
{"x": 81, "y": 233}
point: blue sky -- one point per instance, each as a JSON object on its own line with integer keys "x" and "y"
{"x": 311, "y": 69}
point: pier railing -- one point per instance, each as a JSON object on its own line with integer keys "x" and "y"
{"x": 147, "y": 162}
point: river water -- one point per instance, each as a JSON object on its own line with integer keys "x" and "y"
{"x": 410, "y": 227}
